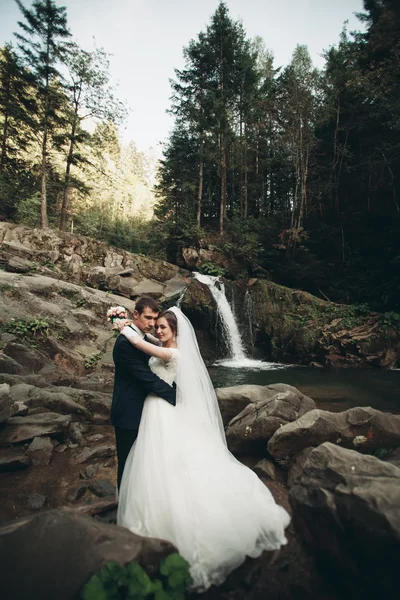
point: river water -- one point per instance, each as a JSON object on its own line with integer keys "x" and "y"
{"x": 332, "y": 389}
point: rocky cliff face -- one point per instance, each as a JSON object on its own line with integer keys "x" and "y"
{"x": 56, "y": 288}
{"x": 295, "y": 326}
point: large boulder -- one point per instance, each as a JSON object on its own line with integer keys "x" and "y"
{"x": 23, "y": 429}
{"x": 362, "y": 428}
{"x": 31, "y": 360}
{"x": 251, "y": 429}
{"x": 54, "y": 554}
{"x": 346, "y": 509}
{"x": 232, "y": 400}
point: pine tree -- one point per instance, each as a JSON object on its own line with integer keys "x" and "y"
{"x": 16, "y": 105}
{"x": 43, "y": 46}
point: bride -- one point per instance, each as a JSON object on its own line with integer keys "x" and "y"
{"x": 180, "y": 482}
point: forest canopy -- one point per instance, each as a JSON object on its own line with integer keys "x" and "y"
{"x": 292, "y": 171}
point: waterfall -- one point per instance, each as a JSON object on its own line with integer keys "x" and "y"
{"x": 229, "y": 326}
{"x": 179, "y": 301}
{"x": 230, "y": 330}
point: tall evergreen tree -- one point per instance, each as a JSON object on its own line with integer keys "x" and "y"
{"x": 43, "y": 46}
{"x": 16, "y": 106}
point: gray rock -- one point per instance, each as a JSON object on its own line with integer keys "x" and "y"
{"x": 232, "y": 400}
{"x": 72, "y": 549}
{"x": 90, "y": 471}
{"x": 20, "y": 392}
{"x": 57, "y": 400}
{"x": 363, "y": 428}
{"x": 265, "y": 468}
{"x": 19, "y": 265}
{"x": 76, "y": 431}
{"x": 174, "y": 287}
{"x": 9, "y": 365}
{"x": 38, "y": 410}
{"x": 30, "y": 359}
{"x": 102, "y": 487}
{"x": 148, "y": 287}
{"x": 40, "y": 451}
{"x": 35, "y": 501}
{"x": 68, "y": 360}
{"x": 21, "y": 429}
{"x": 8, "y": 407}
{"x": 250, "y": 430}
{"x": 14, "y": 462}
{"x": 297, "y": 466}
{"x": 8, "y": 337}
{"x": 346, "y": 510}
{"x": 102, "y": 451}
{"x": 88, "y": 402}
{"x": 61, "y": 448}
{"x": 22, "y": 409}
{"x": 72, "y": 324}
{"x": 77, "y": 493}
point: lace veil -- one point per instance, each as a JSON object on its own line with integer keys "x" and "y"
{"x": 195, "y": 392}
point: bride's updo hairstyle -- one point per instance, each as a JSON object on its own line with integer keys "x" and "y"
{"x": 171, "y": 320}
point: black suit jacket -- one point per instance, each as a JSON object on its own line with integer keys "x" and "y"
{"x": 134, "y": 380}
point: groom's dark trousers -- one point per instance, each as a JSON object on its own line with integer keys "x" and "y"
{"x": 133, "y": 381}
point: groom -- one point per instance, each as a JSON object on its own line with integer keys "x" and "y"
{"x": 134, "y": 381}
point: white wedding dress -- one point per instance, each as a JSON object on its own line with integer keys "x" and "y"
{"x": 181, "y": 484}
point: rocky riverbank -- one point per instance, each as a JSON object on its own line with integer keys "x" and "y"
{"x": 57, "y": 446}
{"x": 335, "y": 473}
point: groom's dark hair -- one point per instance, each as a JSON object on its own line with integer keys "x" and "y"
{"x": 146, "y": 302}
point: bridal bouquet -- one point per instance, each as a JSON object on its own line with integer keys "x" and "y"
{"x": 116, "y": 312}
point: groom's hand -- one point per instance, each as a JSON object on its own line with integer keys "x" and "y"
{"x": 121, "y": 324}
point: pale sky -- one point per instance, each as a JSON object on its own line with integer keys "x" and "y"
{"x": 146, "y": 38}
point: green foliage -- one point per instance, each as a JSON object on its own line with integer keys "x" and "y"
{"x": 299, "y": 167}
{"x": 28, "y": 329}
{"x": 28, "y": 210}
{"x": 92, "y": 361}
{"x": 208, "y": 268}
{"x": 131, "y": 582}
{"x": 80, "y": 302}
{"x": 48, "y": 264}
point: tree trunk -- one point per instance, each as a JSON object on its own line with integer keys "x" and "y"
{"x": 201, "y": 179}
{"x": 223, "y": 187}
{"x": 246, "y": 191}
{"x": 43, "y": 201}
{"x": 5, "y": 128}
{"x": 4, "y": 143}
{"x": 66, "y": 190}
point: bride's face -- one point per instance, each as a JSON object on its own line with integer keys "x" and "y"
{"x": 163, "y": 330}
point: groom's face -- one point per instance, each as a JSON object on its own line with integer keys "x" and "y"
{"x": 146, "y": 320}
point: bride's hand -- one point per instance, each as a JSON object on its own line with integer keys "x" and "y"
{"x": 121, "y": 323}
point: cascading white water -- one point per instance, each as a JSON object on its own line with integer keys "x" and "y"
{"x": 229, "y": 326}
{"x": 233, "y": 340}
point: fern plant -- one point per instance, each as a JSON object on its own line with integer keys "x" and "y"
{"x": 131, "y": 582}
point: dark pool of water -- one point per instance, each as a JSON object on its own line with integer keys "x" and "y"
{"x": 332, "y": 389}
